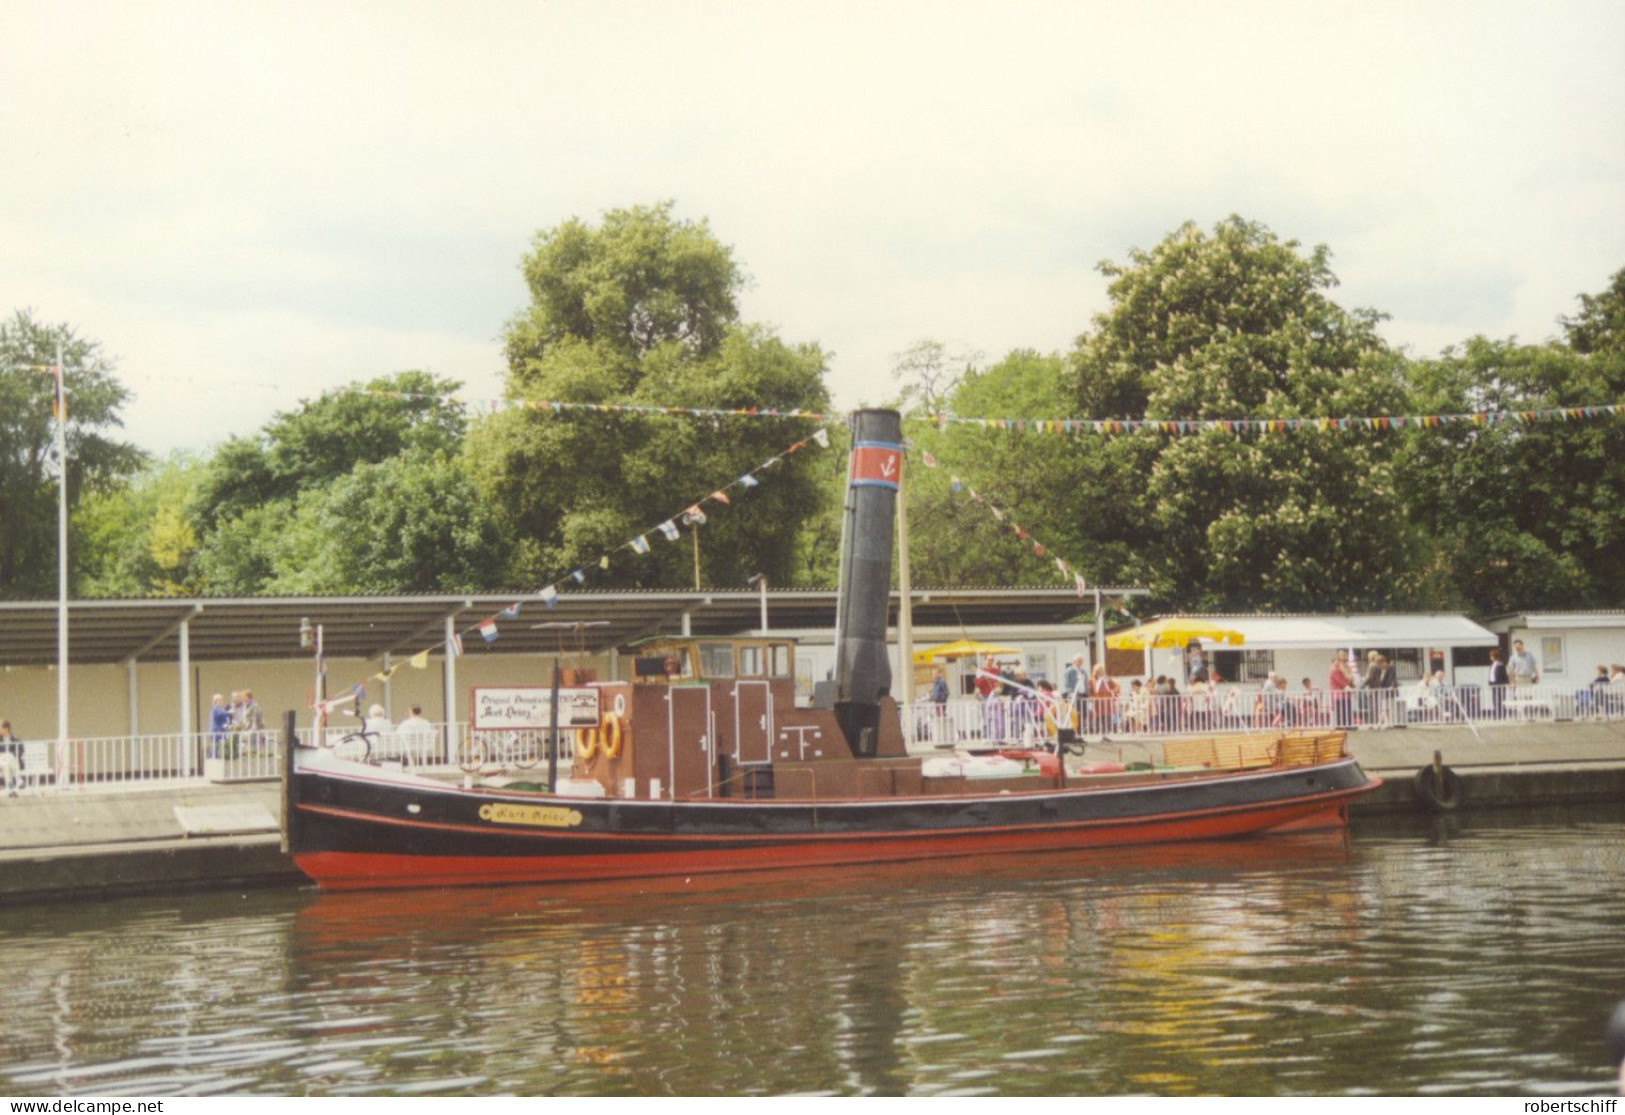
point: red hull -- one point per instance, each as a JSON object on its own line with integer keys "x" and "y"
{"x": 347, "y": 870}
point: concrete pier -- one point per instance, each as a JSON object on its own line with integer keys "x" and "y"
{"x": 95, "y": 843}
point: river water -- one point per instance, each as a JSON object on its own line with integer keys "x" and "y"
{"x": 1471, "y": 955}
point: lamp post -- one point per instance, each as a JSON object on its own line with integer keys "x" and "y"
{"x": 61, "y": 409}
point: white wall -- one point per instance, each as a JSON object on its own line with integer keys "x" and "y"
{"x": 1583, "y": 650}
{"x": 99, "y": 702}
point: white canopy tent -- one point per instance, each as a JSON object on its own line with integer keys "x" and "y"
{"x": 1302, "y": 643}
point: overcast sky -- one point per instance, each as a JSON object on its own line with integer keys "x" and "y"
{"x": 249, "y": 202}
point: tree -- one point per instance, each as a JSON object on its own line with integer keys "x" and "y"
{"x": 309, "y": 503}
{"x": 411, "y": 523}
{"x": 1599, "y": 327}
{"x": 1518, "y": 515}
{"x": 1236, "y": 324}
{"x": 639, "y": 280}
{"x": 139, "y": 538}
{"x": 328, "y": 437}
{"x": 641, "y": 311}
{"x": 29, "y": 470}
{"x": 955, "y": 541}
{"x": 929, "y": 372}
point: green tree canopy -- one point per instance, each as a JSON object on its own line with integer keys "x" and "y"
{"x": 1237, "y": 324}
{"x": 29, "y": 469}
{"x": 360, "y": 490}
{"x": 139, "y": 538}
{"x": 1512, "y": 515}
{"x": 641, "y": 310}
{"x": 328, "y": 437}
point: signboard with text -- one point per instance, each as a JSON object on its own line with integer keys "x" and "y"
{"x": 529, "y": 707}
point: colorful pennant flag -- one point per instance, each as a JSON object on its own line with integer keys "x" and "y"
{"x": 511, "y": 611}
{"x": 748, "y": 481}
{"x": 721, "y": 496}
{"x": 549, "y": 595}
{"x": 694, "y": 515}
{"x": 669, "y": 529}
{"x": 420, "y": 660}
{"x": 821, "y": 436}
{"x": 488, "y": 629}
{"x": 640, "y": 545}
{"x": 454, "y": 645}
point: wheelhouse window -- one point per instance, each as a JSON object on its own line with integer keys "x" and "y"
{"x": 778, "y": 660}
{"x": 750, "y": 661}
{"x": 717, "y": 660}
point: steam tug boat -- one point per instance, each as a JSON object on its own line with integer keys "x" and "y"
{"x": 703, "y": 763}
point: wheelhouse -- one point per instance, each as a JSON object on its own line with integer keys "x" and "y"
{"x": 664, "y": 660}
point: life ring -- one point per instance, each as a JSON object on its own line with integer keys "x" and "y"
{"x": 1441, "y": 794}
{"x": 613, "y": 733}
{"x": 586, "y": 744}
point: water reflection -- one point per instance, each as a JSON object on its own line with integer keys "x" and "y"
{"x": 1414, "y": 960}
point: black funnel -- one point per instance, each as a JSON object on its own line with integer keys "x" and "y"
{"x": 862, "y": 668}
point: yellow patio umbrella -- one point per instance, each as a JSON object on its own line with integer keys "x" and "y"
{"x": 960, "y": 648}
{"x": 1173, "y": 632}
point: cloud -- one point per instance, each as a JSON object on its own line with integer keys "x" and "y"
{"x": 297, "y": 194}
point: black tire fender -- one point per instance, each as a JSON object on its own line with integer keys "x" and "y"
{"x": 1440, "y": 793}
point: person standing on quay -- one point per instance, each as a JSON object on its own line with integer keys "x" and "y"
{"x": 1339, "y": 683}
{"x": 1521, "y": 666}
{"x": 1074, "y": 682}
{"x": 1498, "y": 683}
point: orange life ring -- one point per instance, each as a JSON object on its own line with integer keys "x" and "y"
{"x": 586, "y": 744}
{"x": 613, "y": 731}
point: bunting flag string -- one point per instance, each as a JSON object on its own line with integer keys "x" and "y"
{"x": 1006, "y": 521}
{"x": 1186, "y": 427}
{"x": 561, "y": 406}
{"x": 694, "y": 514}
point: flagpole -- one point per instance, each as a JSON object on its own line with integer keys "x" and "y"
{"x": 694, "y": 529}
{"x": 905, "y": 606}
{"x": 62, "y": 558}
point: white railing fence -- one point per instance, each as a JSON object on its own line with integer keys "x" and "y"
{"x": 128, "y": 762}
{"x": 1003, "y": 721}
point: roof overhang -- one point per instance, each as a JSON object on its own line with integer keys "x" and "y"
{"x": 1331, "y": 632}
{"x": 367, "y": 627}
{"x": 1557, "y": 621}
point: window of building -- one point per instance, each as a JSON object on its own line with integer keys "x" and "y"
{"x": 1242, "y": 665}
{"x": 750, "y": 661}
{"x": 1551, "y": 654}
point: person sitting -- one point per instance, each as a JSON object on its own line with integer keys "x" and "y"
{"x": 416, "y": 736}
{"x": 382, "y": 732}
{"x": 1139, "y": 707}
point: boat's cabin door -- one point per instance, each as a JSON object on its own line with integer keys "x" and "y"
{"x": 690, "y": 739}
{"x": 753, "y": 721}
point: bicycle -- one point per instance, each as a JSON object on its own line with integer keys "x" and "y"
{"x": 510, "y": 749}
